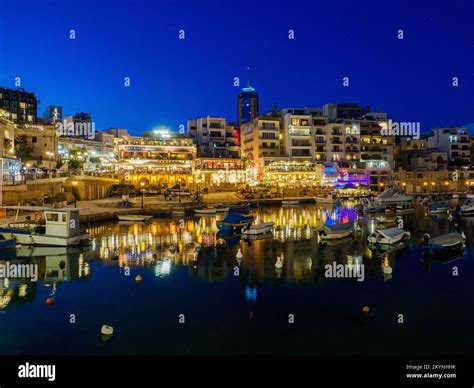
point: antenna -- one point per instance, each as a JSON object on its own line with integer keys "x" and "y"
{"x": 248, "y": 76}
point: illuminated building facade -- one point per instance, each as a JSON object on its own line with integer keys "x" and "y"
{"x": 214, "y": 137}
{"x": 18, "y": 105}
{"x": 223, "y": 174}
{"x": 158, "y": 163}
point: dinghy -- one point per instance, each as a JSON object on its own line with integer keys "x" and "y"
{"x": 262, "y": 228}
{"x": 446, "y": 242}
{"x": 206, "y": 211}
{"x": 134, "y": 217}
{"x": 338, "y": 231}
{"x": 388, "y": 236}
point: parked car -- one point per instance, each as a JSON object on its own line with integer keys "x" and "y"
{"x": 123, "y": 189}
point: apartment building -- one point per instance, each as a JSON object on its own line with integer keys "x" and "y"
{"x": 213, "y": 137}
{"x": 454, "y": 141}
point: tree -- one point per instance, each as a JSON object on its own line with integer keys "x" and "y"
{"x": 22, "y": 149}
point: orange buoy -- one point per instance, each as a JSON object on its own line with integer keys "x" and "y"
{"x": 49, "y": 301}
{"x": 138, "y": 278}
{"x": 365, "y": 309}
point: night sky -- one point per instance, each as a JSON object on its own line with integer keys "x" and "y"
{"x": 174, "y": 80}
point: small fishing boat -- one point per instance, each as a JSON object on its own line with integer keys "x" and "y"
{"x": 50, "y": 227}
{"x": 438, "y": 208}
{"x": 388, "y": 236}
{"x": 446, "y": 242}
{"x": 330, "y": 199}
{"x": 290, "y": 203}
{"x": 368, "y": 206}
{"x": 404, "y": 208}
{"x": 161, "y": 214}
{"x": 337, "y": 231}
{"x": 206, "y": 211}
{"x": 222, "y": 209}
{"x": 134, "y": 217}
{"x": 234, "y": 222}
{"x": 262, "y": 228}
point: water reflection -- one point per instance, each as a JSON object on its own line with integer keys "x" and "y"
{"x": 291, "y": 254}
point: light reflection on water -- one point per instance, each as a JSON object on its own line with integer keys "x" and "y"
{"x": 167, "y": 249}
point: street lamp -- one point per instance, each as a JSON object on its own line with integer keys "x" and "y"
{"x": 142, "y": 185}
{"x": 74, "y": 185}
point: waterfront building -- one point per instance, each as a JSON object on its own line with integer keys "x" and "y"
{"x": 261, "y": 142}
{"x": 455, "y": 142}
{"x": 223, "y": 173}
{"x": 429, "y": 181}
{"x": 18, "y": 105}
{"x": 36, "y": 145}
{"x": 158, "y": 163}
{"x": 214, "y": 138}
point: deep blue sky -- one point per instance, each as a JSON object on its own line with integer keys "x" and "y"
{"x": 174, "y": 80}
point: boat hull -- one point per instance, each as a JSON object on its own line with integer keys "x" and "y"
{"x": 26, "y": 238}
{"x": 133, "y": 217}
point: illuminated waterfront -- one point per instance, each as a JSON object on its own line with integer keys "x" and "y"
{"x": 188, "y": 268}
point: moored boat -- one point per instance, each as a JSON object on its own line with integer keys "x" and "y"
{"x": 51, "y": 227}
{"x": 337, "y": 231}
{"x": 206, "y": 211}
{"x": 330, "y": 199}
{"x": 262, "y": 228}
{"x": 467, "y": 209}
{"x": 234, "y": 222}
{"x": 438, "y": 208}
{"x": 393, "y": 195}
{"x": 446, "y": 242}
{"x": 134, "y": 217}
{"x": 388, "y": 236}
{"x": 385, "y": 219}
{"x": 404, "y": 208}
{"x": 290, "y": 203}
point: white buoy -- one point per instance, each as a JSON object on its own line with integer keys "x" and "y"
{"x": 387, "y": 270}
{"x": 279, "y": 263}
{"x": 239, "y": 254}
{"x": 463, "y": 235}
{"x": 107, "y": 330}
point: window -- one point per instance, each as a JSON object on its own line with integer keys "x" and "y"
{"x": 34, "y": 139}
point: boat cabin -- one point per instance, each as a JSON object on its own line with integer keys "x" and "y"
{"x": 63, "y": 223}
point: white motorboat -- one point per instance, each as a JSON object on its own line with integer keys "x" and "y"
{"x": 134, "y": 217}
{"x": 222, "y": 209}
{"x": 262, "y": 228}
{"x": 338, "y": 231}
{"x": 393, "y": 195}
{"x": 368, "y": 206}
{"x": 206, "y": 211}
{"x": 438, "y": 208}
{"x": 388, "y": 236}
{"x": 290, "y": 203}
{"x": 446, "y": 242}
{"x": 51, "y": 227}
{"x": 467, "y": 209}
{"x": 329, "y": 199}
{"x": 404, "y": 208}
